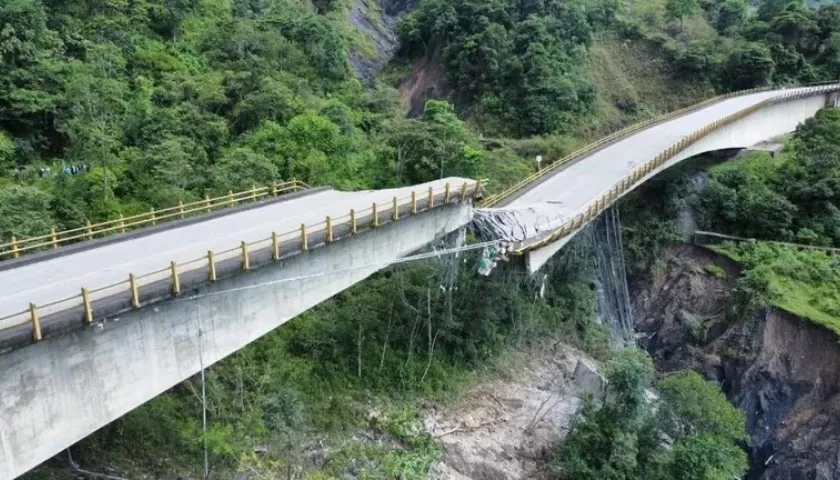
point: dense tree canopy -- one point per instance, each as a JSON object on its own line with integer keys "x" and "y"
{"x": 690, "y": 432}
{"x": 782, "y": 42}
{"x": 519, "y": 61}
{"x": 168, "y": 100}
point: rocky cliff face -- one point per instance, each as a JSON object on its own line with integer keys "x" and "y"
{"x": 377, "y": 20}
{"x": 782, "y": 371}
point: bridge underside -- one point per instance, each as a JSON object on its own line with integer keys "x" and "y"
{"x": 56, "y": 392}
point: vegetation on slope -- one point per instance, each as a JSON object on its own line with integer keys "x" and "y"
{"x": 689, "y": 432}
{"x": 803, "y": 282}
{"x": 156, "y": 101}
{"x": 417, "y": 331}
{"x": 518, "y": 61}
{"x": 169, "y": 100}
{"x": 793, "y": 197}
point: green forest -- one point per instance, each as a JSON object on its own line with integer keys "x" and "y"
{"x": 156, "y": 101}
{"x": 111, "y": 107}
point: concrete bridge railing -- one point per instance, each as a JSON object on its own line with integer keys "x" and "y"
{"x": 141, "y": 288}
{"x": 510, "y": 193}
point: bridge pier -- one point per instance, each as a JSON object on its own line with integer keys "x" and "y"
{"x": 56, "y": 392}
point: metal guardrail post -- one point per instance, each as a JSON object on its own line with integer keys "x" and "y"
{"x": 431, "y": 198}
{"x": 446, "y": 194}
{"x": 152, "y": 213}
{"x": 275, "y": 247}
{"x": 176, "y": 282}
{"x": 88, "y": 230}
{"x": 207, "y": 203}
{"x": 413, "y": 202}
{"x": 132, "y": 285}
{"x": 53, "y": 239}
{"x": 211, "y": 266}
{"x": 375, "y": 215}
{"x": 36, "y": 322}
{"x": 253, "y": 192}
{"x": 352, "y": 222}
{"x": 122, "y": 223}
{"x": 230, "y": 200}
{"x": 246, "y": 261}
{"x": 86, "y": 305}
{"x": 477, "y": 190}
{"x": 329, "y": 230}
{"x": 181, "y": 209}
{"x": 15, "y": 248}
{"x": 464, "y": 192}
{"x": 304, "y": 243}
{"x": 274, "y": 188}
{"x": 395, "y": 210}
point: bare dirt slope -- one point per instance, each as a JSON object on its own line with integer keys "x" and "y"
{"x": 506, "y": 427}
{"x": 427, "y": 81}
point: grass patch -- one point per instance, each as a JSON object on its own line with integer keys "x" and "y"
{"x": 805, "y": 283}
{"x": 715, "y": 271}
{"x": 635, "y": 82}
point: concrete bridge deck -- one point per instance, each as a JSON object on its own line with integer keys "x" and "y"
{"x": 543, "y": 207}
{"x": 41, "y": 281}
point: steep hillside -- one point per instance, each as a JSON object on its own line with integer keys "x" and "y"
{"x": 781, "y": 370}
{"x": 635, "y": 80}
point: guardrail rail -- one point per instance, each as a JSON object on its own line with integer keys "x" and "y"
{"x": 55, "y": 239}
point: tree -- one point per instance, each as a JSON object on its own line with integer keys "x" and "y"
{"x": 436, "y": 146}
{"x": 623, "y": 437}
{"x": 679, "y": 9}
{"x": 749, "y": 66}
{"x": 7, "y": 154}
{"x": 796, "y": 27}
{"x": 23, "y": 23}
{"x": 166, "y": 172}
{"x": 768, "y": 9}
{"x": 520, "y": 61}
{"x": 704, "y": 426}
{"x": 604, "y": 441}
{"x": 24, "y": 212}
{"x": 731, "y": 15}
{"x": 241, "y": 169}
{"x": 827, "y": 18}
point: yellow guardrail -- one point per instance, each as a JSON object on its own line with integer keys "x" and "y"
{"x": 495, "y": 199}
{"x": 352, "y": 222}
{"x": 18, "y": 246}
{"x": 612, "y": 194}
